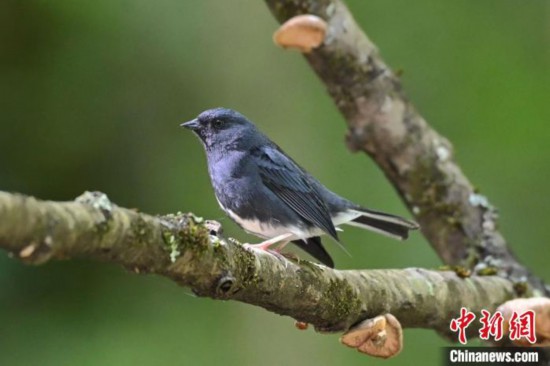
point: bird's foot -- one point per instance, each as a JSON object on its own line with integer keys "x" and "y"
{"x": 265, "y": 245}
{"x": 281, "y": 246}
{"x": 262, "y": 246}
{"x": 280, "y": 256}
{"x": 290, "y": 256}
{"x": 274, "y": 252}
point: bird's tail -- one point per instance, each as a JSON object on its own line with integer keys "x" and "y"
{"x": 383, "y": 223}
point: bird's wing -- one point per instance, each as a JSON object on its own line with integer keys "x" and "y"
{"x": 290, "y": 183}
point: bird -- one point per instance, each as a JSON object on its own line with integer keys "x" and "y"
{"x": 270, "y": 196}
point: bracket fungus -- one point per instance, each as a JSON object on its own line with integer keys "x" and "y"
{"x": 381, "y": 336}
{"x": 302, "y": 32}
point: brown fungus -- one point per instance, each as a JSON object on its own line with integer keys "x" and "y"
{"x": 381, "y": 336}
{"x": 302, "y": 32}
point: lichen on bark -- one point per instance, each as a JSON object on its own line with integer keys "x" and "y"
{"x": 417, "y": 160}
{"x": 331, "y": 300}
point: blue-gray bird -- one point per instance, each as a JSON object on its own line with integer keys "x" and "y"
{"x": 269, "y": 195}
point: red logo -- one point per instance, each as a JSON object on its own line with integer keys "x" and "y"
{"x": 492, "y": 325}
{"x": 521, "y": 325}
{"x": 461, "y": 323}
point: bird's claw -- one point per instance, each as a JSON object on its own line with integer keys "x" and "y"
{"x": 265, "y": 248}
{"x": 261, "y": 246}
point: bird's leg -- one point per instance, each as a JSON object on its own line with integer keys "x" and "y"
{"x": 281, "y": 239}
{"x": 264, "y": 245}
{"x": 281, "y": 246}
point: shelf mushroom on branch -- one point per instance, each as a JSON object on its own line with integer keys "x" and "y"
{"x": 302, "y": 32}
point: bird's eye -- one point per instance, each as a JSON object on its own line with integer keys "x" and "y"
{"x": 218, "y": 123}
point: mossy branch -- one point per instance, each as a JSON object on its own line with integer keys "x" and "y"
{"x": 191, "y": 252}
{"x": 460, "y": 224}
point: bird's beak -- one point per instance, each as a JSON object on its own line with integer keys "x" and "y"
{"x": 192, "y": 125}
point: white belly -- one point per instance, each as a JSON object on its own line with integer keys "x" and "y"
{"x": 268, "y": 231}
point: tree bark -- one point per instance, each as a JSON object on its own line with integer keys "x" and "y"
{"x": 192, "y": 252}
{"x": 460, "y": 224}
{"x": 458, "y": 221}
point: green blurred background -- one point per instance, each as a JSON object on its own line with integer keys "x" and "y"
{"x": 91, "y": 96}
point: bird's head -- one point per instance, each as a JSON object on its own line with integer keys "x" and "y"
{"x": 222, "y": 127}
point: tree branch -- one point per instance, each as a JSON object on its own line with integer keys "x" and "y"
{"x": 460, "y": 224}
{"x": 192, "y": 253}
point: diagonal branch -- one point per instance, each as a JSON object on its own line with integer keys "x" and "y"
{"x": 190, "y": 252}
{"x": 460, "y": 224}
